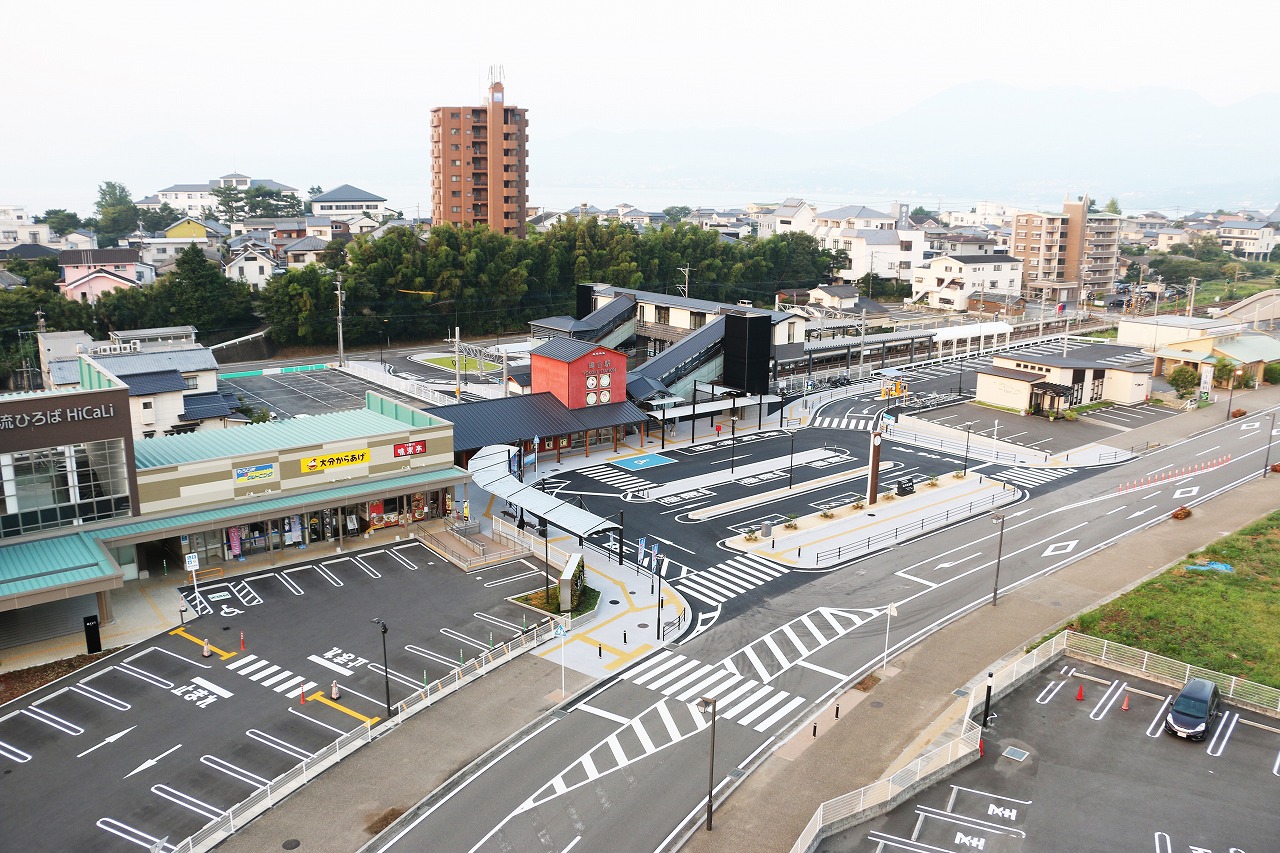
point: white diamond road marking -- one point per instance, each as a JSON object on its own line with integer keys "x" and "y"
{"x": 1188, "y": 492}
{"x": 1250, "y": 425}
{"x": 1060, "y": 548}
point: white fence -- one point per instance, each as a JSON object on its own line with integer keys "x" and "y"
{"x": 883, "y": 795}
{"x": 417, "y": 390}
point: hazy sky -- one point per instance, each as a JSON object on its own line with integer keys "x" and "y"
{"x": 154, "y": 93}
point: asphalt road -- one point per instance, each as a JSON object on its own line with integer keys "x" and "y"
{"x": 622, "y": 769}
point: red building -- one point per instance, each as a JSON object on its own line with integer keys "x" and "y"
{"x": 580, "y": 374}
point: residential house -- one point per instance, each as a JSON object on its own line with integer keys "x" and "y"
{"x": 251, "y": 263}
{"x": 8, "y": 280}
{"x": 948, "y": 282}
{"x": 1167, "y": 238}
{"x": 88, "y": 273}
{"x": 347, "y": 201}
{"x": 794, "y": 214}
{"x": 162, "y": 248}
{"x": 1252, "y": 241}
{"x": 18, "y": 228}
{"x": 984, "y": 213}
{"x": 305, "y": 251}
{"x": 1050, "y": 384}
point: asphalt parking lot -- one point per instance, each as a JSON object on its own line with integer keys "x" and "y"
{"x": 1098, "y": 426}
{"x": 1064, "y": 775}
{"x": 167, "y": 739}
{"x": 312, "y": 392}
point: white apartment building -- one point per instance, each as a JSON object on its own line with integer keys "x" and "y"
{"x": 1252, "y": 241}
{"x": 948, "y": 281}
{"x": 191, "y": 198}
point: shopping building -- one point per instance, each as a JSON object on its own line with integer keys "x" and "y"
{"x": 86, "y": 508}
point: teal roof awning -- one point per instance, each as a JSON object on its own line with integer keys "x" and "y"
{"x": 43, "y": 565}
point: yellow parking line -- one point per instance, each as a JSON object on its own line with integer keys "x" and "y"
{"x": 320, "y": 697}
{"x": 182, "y": 632}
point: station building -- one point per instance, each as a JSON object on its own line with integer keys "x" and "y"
{"x": 86, "y": 507}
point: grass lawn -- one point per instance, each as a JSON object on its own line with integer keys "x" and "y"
{"x": 1224, "y": 621}
{"x": 469, "y": 364}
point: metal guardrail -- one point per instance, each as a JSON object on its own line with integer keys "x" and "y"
{"x": 879, "y": 797}
{"x": 892, "y": 537}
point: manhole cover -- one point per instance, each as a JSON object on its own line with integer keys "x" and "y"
{"x": 1015, "y": 753}
{"x": 613, "y": 601}
{"x": 292, "y": 844}
{"x": 877, "y": 704}
{"x": 643, "y": 625}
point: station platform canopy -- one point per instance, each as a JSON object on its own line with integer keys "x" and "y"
{"x": 490, "y": 469}
{"x": 709, "y": 407}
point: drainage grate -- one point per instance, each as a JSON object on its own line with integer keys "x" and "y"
{"x": 959, "y": 691}
{"x": 1015, "y": 753}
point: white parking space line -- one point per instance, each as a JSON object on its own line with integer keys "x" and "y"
{"x": 463, "y": 638}
{"x": 187, "y": 801}
{"x": 341, "y": 670}
{"x": 429, "y": 655}
{"x": 13, "y": 753}
{"x": 395, "y": 676}
{"x": 1218, "y": 744}
{"x": 275, "y": 743}
{"x": 144, "y": 675}
{"x": 1108, "y": 699}
{"x": 1051, "y": 690}
{"x": 298, "y": 713}
{"x": 233, "y": 771}
{"x": 502, "y": 623}
{"x": 99, "y": 696}
{"x": 130, "y": 834}
{"x": 51, "y": 720}
{"x": 1157, "y": 724}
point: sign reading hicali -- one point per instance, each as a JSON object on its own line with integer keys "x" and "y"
{"x": 45, "y": 417}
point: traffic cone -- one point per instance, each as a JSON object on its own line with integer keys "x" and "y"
{"x": 334, "y": 693}
{"x": 1080, "y": 694}
{"x": 302, "y": 696}
{"x": 1125, "y": 706}
{"x": 242, "y": 641}
{"x": 981, "y": 749}
{"x": 207, "y": 653}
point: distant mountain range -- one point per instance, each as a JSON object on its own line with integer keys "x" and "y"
{"x": 1151, "y": 148}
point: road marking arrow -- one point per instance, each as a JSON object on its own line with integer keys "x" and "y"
{"x": 956, "y": 562}
{"x": 152, "y": 762}
{"x": 1142, "y": 512}
{"x": 112, "y": 739}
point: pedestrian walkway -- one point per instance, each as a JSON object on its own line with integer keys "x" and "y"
{"x": 728, "y": 579}
{"x": 1031, "y": 477}
{"x": 615, "y": 477}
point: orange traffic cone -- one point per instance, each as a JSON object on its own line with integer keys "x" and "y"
{"x": 981, "y": 749}
{"x": 1125, "y": 706}
{"x": 242, "y": 641}
{"x": 335, "y": 694}
{"x": 1080, "y": 694}
{"x": 207, "y": 653}
{"x": 302, "y": 697}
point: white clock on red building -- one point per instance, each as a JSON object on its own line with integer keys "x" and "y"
{"x": 604, "y": 380}
{"x": 591, "y": 382}
{"x": 604, "y": 396}
{"x": 591, "y": 398}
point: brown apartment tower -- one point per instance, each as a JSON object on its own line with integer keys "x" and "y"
{"x": 479, "y": 164}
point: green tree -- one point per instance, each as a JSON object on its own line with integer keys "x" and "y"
{"x": 677, "y": 212}
{"x": 60, "y": 221}
{"x": 160, "y": 218}
{"x": 921, "y": 211}
{"x": 196, "y": 293}
{"x": 1205, "y": 247}
{"x": 261, "y": 201}
{"x": 1224, "y": 374}
{"x": 117, "y": 214}
{"x": 1184, "y": 380}
{"x": 301, "y": 307}
{"x": 229, "y": 204}
{"x": 1113, "y": 206}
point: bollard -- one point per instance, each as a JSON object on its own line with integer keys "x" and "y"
{"x": 490, "y": 639}
{"x": 335, "y": 693}
{"x": 600, "y": 651}
{"x": 460, "y": 660}
{"x": 206, "y": 653}
{"x": 624, "y": 638}
{"x": 815, "y": 729}
{"x": 837, "y": 710}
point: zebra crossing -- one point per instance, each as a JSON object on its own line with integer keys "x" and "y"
{"x": 1030, "y": 477}
{"x": 267, "y": 674}
{"x": 860, "y": 422}
{"x": 743, "y": 700}
{"x": 620, "y": 480}
{"x": 729, "y": 579}
{"x": 788, "y": 645}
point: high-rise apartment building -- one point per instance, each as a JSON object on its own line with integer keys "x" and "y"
{"x": 1066, "y": 255}
{"x": 479, "y": 165}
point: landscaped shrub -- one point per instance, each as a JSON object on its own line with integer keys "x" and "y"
{"x": 1238, "y": 413}
{"x": 1271, "y": 373}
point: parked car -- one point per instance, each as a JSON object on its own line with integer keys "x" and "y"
{"x": 1116, "y": 302}
{"x": 1195, "y": 710}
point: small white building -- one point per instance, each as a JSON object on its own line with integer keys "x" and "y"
{"x": 252, "y": 264}
{"x": 949, "y": 281}
{"x": 347, "y": 200}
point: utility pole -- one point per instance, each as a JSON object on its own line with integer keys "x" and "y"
{"x": 457, "y": 363}
{"x": 686, "y": 269}
{"x": 1191, "y": 298}
{"x": 342, "y": 358}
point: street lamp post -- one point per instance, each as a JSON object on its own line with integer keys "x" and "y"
{"x": 968, "y": 431}
{"x": 733, "y": 446}
{"x": 342, "y": 358}
{"x": 791, "y": 469}
{"x": 1235, "y": 377}
{"x": 1266, "y": 466}
{"x": 997, "y": 518}
{"x": 386, "y": 673}
{"x": 707, "y": 703}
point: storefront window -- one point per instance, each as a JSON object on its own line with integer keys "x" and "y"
{"x": 57, "y": 486}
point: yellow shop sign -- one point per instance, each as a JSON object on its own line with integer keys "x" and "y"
{"x": 334, "y": 460}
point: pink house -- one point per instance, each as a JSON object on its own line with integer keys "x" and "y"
{"x": 88, "y": 273}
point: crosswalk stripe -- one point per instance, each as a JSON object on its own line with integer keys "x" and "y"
{"x": 675, "y": 673}
{"x": 756, "y": 572}
{"x": 773, "y": 647}
{"x": 762, "y": 708}
{"x": 288, "y": 685}
{"x": 736, "y": 585}
{"x": 672, "y": 728}
{"x": 262, "y": 673}
{"x": 665, "y": 665}
{"x": 736, "y": 692}
{"x": 618, "y": 754}
{"x": 676, "y": 686}
{"x": 746, "y": 702}
{"x": 750, "y": 654}
{"x": 699, "y": 721}
{"x": 589, "y": 766}
{"x": 700, "y": 689}
{"x": 260, "y": 662}
{"x": 702, "y": 596}
{"x": 720, "y": 688}
{"x": 711, "y": 588}
{"x": 559, "y": 785}
{"x": 779, "y": 714}
{"x": 786, "y": 629}
{"x": 275, "y": 678}
{"x": 647, "y": 663}
{"x": 832, "y": 620}
{"x": 643, "y": 736}
{"x": 814, "y": 628}
{"x": 236, "y": 664}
